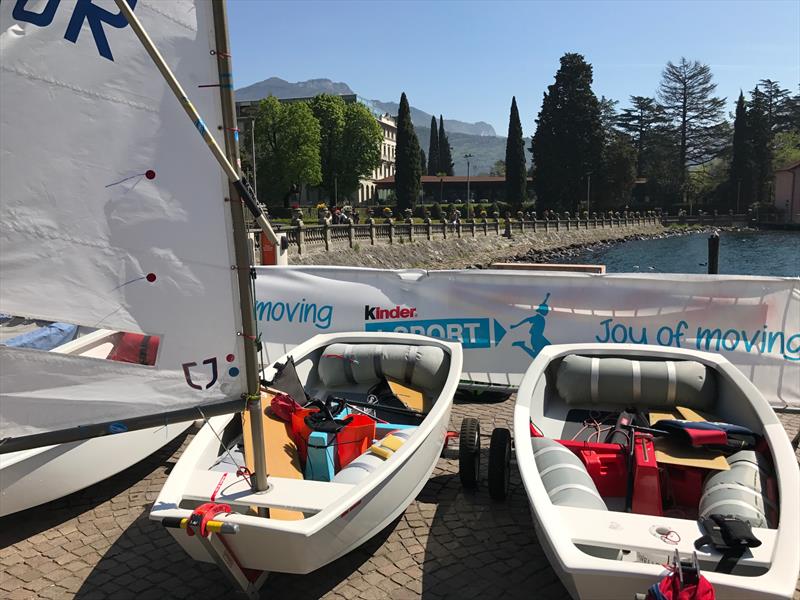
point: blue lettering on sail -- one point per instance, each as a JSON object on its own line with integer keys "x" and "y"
{"x": 85, "y": 10}
{"x": 43, "y": 19}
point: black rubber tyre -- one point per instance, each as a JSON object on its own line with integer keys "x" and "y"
{"x": 499, "y": 463}
{"x": 469, "y": 452}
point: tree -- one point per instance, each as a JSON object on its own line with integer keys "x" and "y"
{"x": 569, "y": 139}
{"x": 360, "y": 151}
{"x": 408, "y": 168}
{"x": 617, "y": 174}
{"x": 740, "y": 177}
{"x": 445, "y": 150}
{"x": 422, "y": 161}
{"x": 777, "y": 105}
{"x": 516, "y": 171}
{"x": 686, "y": 93}
{"x": 786, "y": 149}
{"x": 645, "y": 124}
{"x": 498, "y": 169}
{"x": 329, "y": 111}
{"x": 760, "y": 137}
{"x": 433, "y": 150}
{"x": 287, "y": 142}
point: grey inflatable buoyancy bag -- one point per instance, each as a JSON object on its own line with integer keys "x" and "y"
{"x": 424, "y": 367}
{"x": 568, "y": 483}
{"x": 591, "y": 380}
{"x": 564, "y": 476}
{"x": 741, "y": 491}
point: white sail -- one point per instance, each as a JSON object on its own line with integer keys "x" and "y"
{"x": 113, "y": 212}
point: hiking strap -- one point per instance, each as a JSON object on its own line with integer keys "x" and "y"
{"x": 728, "y": 535}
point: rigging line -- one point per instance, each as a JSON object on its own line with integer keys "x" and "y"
{"x": 221, "y": 443}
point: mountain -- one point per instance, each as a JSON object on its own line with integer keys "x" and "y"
{"x": 422, "y": 119}
{"x": 282, "y": 89}
{"x": 478, "y": 139}
{"x": 485, "y": 150}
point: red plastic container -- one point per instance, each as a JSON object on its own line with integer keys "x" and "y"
{"x": 301, "y": 431}
{"x": 354, "y": 439}
{"x": 606, "y": 464}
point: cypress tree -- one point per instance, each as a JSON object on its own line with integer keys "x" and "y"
{"x": 516, "y": 172}
{"x": 433, "y": 149}
{"x": 760, "y": 137}
{"x": 741, "y": 160}
{"x": 568, "y": 142}
{"x": 445, "y": 151}
{"x": 422, "y": 162}
{"x": 408, "y": 166}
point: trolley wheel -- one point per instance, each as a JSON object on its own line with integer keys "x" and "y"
{"x": 469, "y": 452}
{"x": 499, "y": 463}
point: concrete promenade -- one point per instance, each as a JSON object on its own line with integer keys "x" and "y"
{"x": 449, "y": 544}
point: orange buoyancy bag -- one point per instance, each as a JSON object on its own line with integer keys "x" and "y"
{"x": 135, "y": 348}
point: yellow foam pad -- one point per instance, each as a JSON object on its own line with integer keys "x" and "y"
{"x": 384, "y": 453}
{"x": 392, "y": 442}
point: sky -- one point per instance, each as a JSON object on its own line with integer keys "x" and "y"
{"x": 467, "y": 59}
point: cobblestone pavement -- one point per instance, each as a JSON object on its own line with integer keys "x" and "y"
{"x": 99, "y": 543}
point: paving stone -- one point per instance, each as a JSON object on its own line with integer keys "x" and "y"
{"x": 449, "y": 544}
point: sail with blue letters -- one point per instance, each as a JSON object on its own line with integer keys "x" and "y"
{"x": 113, "y": 213}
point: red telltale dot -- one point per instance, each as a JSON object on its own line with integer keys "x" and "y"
{"x": 151, "y": 277}
{"x": 230, "y": 357}
{"x": 150, "y": 174}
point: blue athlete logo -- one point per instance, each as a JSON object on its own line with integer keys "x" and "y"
{"x": 536, "y": 331}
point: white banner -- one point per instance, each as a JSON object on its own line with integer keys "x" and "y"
{"x": 504, "y": 318}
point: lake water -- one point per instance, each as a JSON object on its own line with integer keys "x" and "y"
{"x": 740, "y": 253}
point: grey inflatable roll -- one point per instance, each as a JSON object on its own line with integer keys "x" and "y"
{"x": 568, "y": 483}
{"x": 566, "y": 480}
{"x": 421, "y": 366}
{"x": 586, "y": 380}
{"x": 741, "y": 491}
{"x": 361, "y": 467}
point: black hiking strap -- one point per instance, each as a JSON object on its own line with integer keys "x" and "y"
{"x": 730, "y": 536}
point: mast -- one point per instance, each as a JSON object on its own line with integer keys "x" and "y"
{"x": 244, "y": 268}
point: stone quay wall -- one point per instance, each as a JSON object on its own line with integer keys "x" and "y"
{"x": 475, "y": 244}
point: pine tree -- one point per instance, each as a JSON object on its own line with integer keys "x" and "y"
{"x": 408, "y": 166}
{"x": 777, "y": 105}
{"x": 686, "y": 93}
{"x": 445, "y": 150}
{"x": 516, "y": 171}
{"x": 433, "y": 150}
{"x": 741, "y": 161}
{"x": 568, "y": 141}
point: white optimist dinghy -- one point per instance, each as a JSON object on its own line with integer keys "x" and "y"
{"x": 114, "y": 215}
{"x": 327, "y": 492}
{"x": 632, "y": 455}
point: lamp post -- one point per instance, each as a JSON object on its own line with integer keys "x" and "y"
{"x": 588, "y": 191}
{"x": 468, "y": 156}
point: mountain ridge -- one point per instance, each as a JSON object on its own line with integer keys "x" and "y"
{"x": 282, "y": 90}
{"x": 478, "y": 139}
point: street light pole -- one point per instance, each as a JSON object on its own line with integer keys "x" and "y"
{"x": 588, "y": 191}
{"x": 253, "y": 154}
{"x": 468, "y": 156}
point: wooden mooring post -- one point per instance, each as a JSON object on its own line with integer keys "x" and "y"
{"x": 713, "y": 253}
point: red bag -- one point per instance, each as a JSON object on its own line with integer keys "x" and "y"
{"x": 283, "y": 406}
{"x": 670, "y": 588}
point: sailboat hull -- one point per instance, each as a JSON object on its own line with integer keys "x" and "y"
{"x": 608, "y": 554}
{"x": 33, "y": 477}
{"x": 346, "y": 515}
